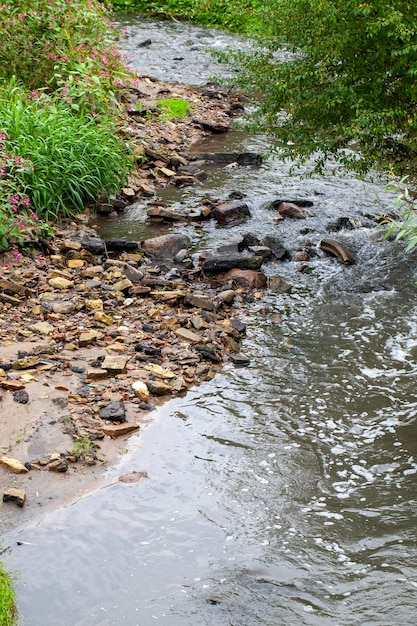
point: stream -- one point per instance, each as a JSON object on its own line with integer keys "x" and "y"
{"x": 283, "y": 493}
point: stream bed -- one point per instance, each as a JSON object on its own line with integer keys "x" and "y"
{"x": 283, "y": 493}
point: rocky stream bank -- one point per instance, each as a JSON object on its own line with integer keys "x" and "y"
{"x": 94, "y": 334}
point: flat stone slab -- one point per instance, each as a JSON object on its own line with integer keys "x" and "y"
{"x": 187, "y": 335}
{"x": 118, "y": 430}
{"x": 114, "y": 364}
{"x": 13, "y": 465}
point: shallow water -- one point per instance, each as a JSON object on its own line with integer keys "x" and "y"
{"x": 282, "y": 493}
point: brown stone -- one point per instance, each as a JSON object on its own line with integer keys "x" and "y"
{"x": 87, "y": 337}
{"x": 118, "y": 430}
{"x": 278, "y": 284}
{"x": 13, "y": 465}
{"x": 235, "y": 211}
{"x": 289, "y": 209}
{"x": 199, "y": 300}
{"x": 249, "y": 279}
{"x": 15, "y": 495}
{"x": 158, "y": 387}
{"x": 12, "y": 385}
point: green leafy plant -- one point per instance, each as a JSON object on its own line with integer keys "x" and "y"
{"x": 406, "y": 228}
{"x": 337, "y": 79}
{"x": 173, "y": 108}
{"x": 8, "y": 612}
{"x": 67, "y": 160}
{"x": 84, "y": 449}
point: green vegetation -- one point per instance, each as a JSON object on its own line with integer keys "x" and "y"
{"x": 7, "y": 600}
{"x": 173, "y": 108}
{"x": 60, "y": 70}
{"x": 237, "y": 16}
{"x": 84, "y": 449}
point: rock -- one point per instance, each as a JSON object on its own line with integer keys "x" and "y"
{"x": 215, "y": 124}
{"x": 95, "y": 373}
{"x": 59, "y": 465}
{"x": 21, "y": 396}
{"x": 276, "y": 247}
{"x": 278, "y": 284}
{"x": 263, "y": 251}
{"x": 114, "y": 364}
{"x": 141, "y": 391}
{"x": 121, "y": 245}
{"x": 226, "y": 158}
{"x": 94, "y": 245}
{"x": 223, "y": 263}
{"x": 159, "y": 388}
{"x": 239, "y": 360}
{"x": 42, "y": 328}
{"x": 162, "y": 213}
{"x": 158, "y": 371}
{"x": 133, "y": 274}
{"x": 87, "y": 337}
{"x": 275, "y": 319}
{"x": 344, "y": 223}
{"x": 248, "y": 279}
{"x": 337, "y": 249}
{"x": 166, "y": 246}
{"x": 123, "y": 285}
{"x": 147, "y": 190}
{"x": 200, "y": 301}
{"x": 118, "y": 430}
{"x": 187, "y": 335}
{"x": 225, "y": 297}
{"x": 231, "y": 212}
{"x": 13, "y": 465}
{"x": 68, "y": 245}
{"x": 103, "y": 318}
{"x": 13, "y": 288}
{"x": 114, "y": 412}
{"x": 29, "y": 361}
{"x": 15, "y": 495}
{"x": 289, "y": 209}
{"x": 12, "y": 385}
{"x": 94, "y": 304}
{"x": 58, "y": 282}
{"x": 65, "y": 307}
{"x": 239, "y": 326}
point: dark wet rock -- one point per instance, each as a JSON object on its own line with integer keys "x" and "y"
{"x": 217, "y": 264}
{"x": 276, "y": 247}
{"x": 263, "y": 251}
{"x": 145, "y": 43}
{"x": 114, "y": 411}
{"x": 144, "y": 406}
{"x": 304, "y": 204}
{"x": 21, "y": 396}
{"x": 166, "y": 246}
{"x": 338, "y": 250}
{"x": 343, "y": 223}
{"x": 248, "y": 279}
{"x": 239, "y": 360}
{"x": 121, "y": 245}
{"x": 239, "y": 326}
{"x": 94, "y": 245}
{"x": 231, "y": 212}
{"x": 248, "y": 240}
{"x": 230, "y": 248}
{"x": 301, "y": 256}
{"x": 226, "y": 158}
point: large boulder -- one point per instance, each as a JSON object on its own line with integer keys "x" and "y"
{"x": 166, "y": 246}
{"x": 231, "y": 212}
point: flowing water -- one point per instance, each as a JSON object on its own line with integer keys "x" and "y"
{"x": 279, "y": 494}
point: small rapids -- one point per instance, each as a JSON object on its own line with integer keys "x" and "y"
{"x": 281, "y": 493}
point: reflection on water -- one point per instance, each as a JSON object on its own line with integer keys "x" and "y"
{"x": 282, "y": 493}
